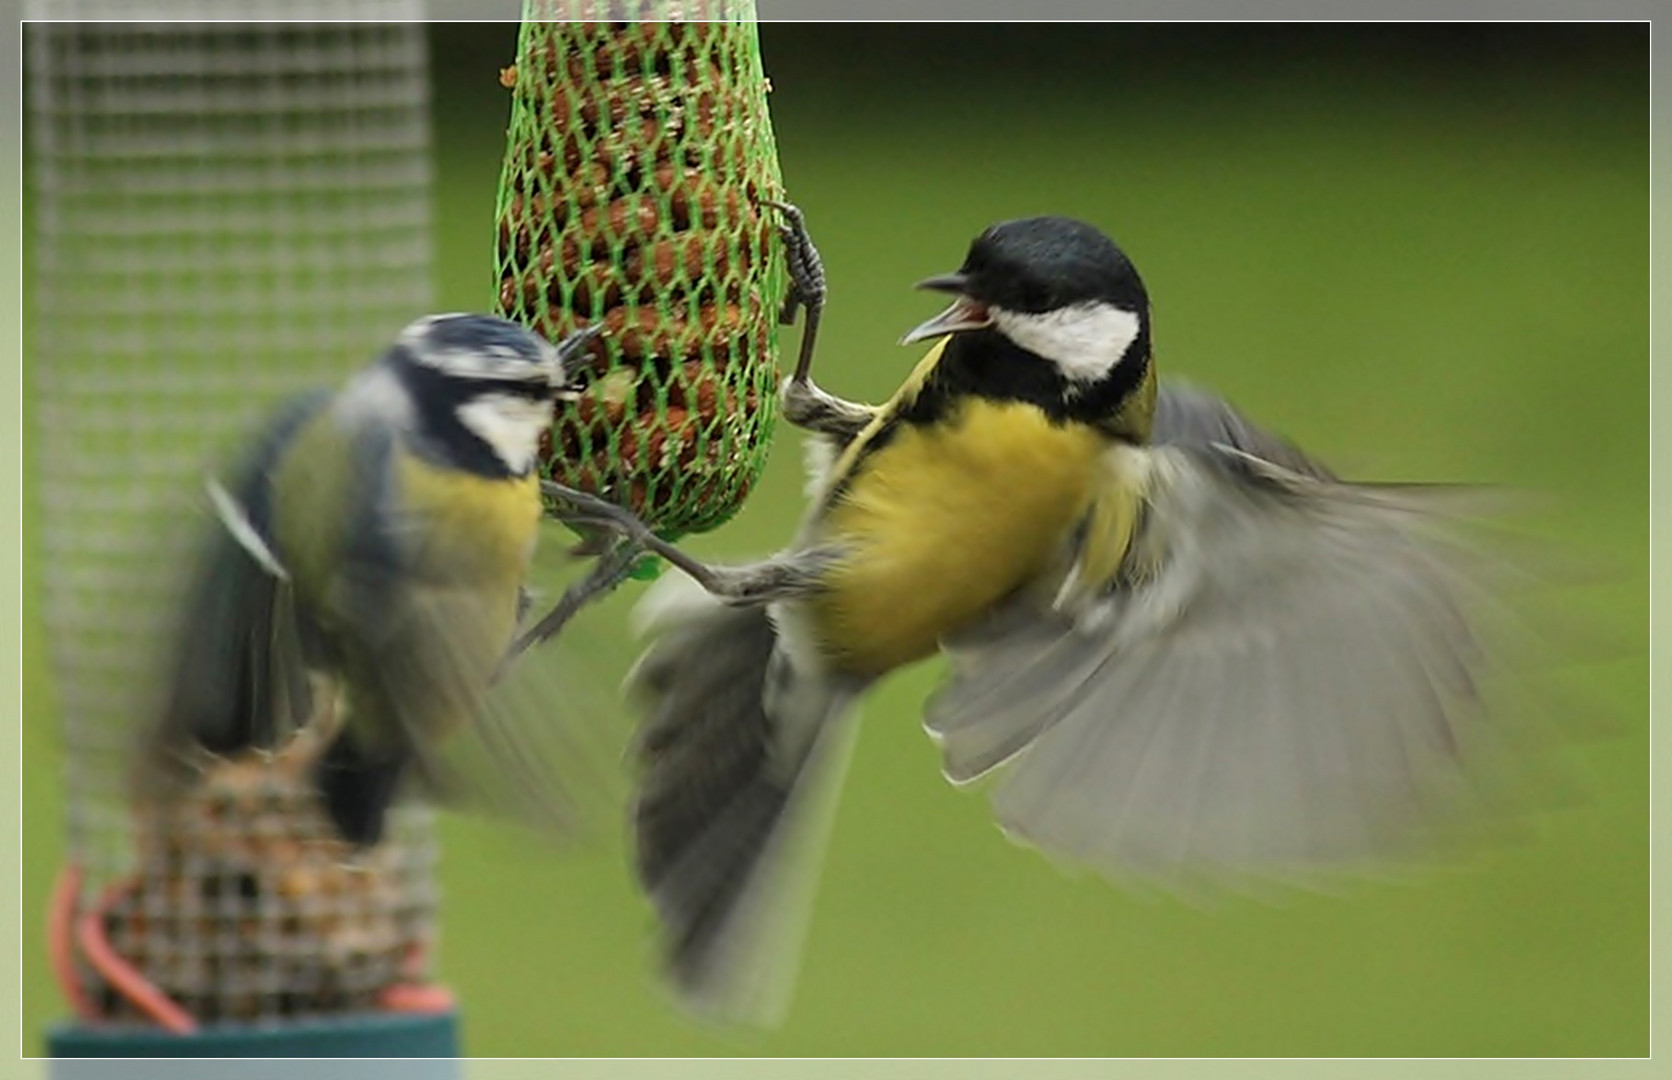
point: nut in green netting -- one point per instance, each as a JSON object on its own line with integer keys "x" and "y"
{"x": 637, "y": 159}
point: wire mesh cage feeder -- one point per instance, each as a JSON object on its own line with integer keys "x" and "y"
{"x": 225, "y": 213}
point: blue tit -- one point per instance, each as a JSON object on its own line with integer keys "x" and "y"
{"x": 1180, "y": 646}
{"x": 374, "y": 542}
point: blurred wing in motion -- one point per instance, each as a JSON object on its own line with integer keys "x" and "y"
{"x": 543, "y": 748}
{"x": 416, "y": 659}
{"x": 237, "y": 678}
{"x": 741, "y": 763}
{"x": 1188, "y": 416}
{"x": 1282, "y": 676}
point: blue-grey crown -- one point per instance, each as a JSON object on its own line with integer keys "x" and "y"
{"x": 480, "y": 347}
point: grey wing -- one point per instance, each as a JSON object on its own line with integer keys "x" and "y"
{"x": 741, "y": 758}
{"x": 235, "y": 677}
{"x": 1191, "y": 417}
{"x": 541, "y": 749}
{"x": 1286, "y": 680}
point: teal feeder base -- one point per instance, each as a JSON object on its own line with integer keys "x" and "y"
{"x": 82, "y": 1052}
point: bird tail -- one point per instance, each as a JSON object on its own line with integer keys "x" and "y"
{"x": 358, "y": 784}
{"x": 741, "y": 755}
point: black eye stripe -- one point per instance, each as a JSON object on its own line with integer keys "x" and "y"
{"x": 530, "y": 390}
{"x": 541, "y": 391}
{"x": 427, "y": 379}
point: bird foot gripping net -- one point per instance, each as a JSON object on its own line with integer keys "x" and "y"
{"x": 638, "y": 158}
{"x": 224, "y": 214}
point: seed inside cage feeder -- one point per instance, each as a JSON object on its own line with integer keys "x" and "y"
{"x": 244, "y": 905}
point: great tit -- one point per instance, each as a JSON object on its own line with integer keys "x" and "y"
{"x": 374, "y": 542}
{"x": 1194, "y": 652}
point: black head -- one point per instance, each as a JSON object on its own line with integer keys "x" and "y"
{"x": 1039, "y": 264}
{"x": 1059, "y": 292}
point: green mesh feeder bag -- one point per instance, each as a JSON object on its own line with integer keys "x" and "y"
{"x": 638, "y": 153}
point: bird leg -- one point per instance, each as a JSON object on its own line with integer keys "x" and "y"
{"x": 806, "y": 405}
{"x": 610, "y": 570}
{"x": 744, "y": 586}
{"x": 810, "y": 408}
{"x": 807, "y": 285}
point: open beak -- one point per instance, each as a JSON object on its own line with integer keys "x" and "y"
{"x": 568, "y": 352}
{"x": 568, "y": 387}
{"x": 964, "y": 314}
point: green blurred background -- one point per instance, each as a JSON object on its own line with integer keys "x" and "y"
{"x": 1420, "y": 251}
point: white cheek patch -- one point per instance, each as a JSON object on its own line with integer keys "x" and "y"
{"x": 511, "y": 425}
{"x": 1085, "y": 341}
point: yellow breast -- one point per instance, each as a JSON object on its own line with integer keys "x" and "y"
{"x": 943, "y": 521}
{"x": 456, "y": 528}
{"x": 475, "y": 529}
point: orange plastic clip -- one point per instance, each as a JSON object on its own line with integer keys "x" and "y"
{"x": 60, "y": 939}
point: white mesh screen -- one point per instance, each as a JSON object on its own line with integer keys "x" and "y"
{"x": 223, "y": 214}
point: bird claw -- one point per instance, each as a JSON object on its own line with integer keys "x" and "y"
{"x": 806, "y": 268}
{"x": 807, "y": 288}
